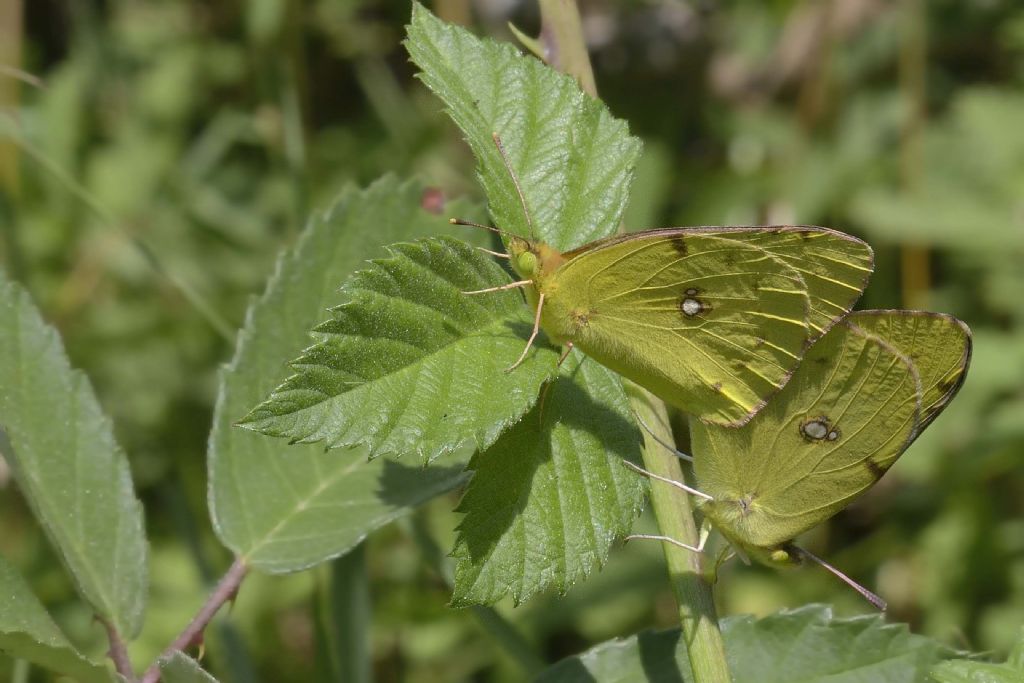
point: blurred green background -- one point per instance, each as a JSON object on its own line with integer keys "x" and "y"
{"x": 155, "y": 156}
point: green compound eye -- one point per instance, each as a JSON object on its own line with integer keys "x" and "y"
{"x": 527, "y": 263}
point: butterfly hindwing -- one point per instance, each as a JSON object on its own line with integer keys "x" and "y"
{"x": 939, "y": 345}
{"x": 708, "y": 323}
{"x": 849, "y": 411}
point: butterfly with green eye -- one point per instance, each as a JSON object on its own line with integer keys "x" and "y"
{"x": 712, "y": 320}
{"x": 860, "y": 397}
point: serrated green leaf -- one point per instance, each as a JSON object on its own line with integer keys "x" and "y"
{"x": 549, "y": 498}
{"x": 282, "y": 507}
{"x": 68, "y": 466}
{"x": 411, "y": 364}
{"x": 973, "y": 671}
{"x": 966, "y": 671}
{"x": 180, "y": 668}
{"x": 27, "y": 632}
{"x": 805, "y": 645}
{"x": 574, "y": 160}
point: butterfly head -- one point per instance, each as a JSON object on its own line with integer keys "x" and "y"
{"x": 533, "y": 260}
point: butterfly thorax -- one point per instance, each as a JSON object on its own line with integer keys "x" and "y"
{"x": 538, "y": 262}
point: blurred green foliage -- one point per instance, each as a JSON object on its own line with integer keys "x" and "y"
{"x": 169, "y": 149}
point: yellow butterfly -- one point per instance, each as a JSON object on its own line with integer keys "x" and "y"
{"x": 712, "y": 320}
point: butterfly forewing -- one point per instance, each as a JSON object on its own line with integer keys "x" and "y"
{"x": 939, "y": 346}
{"x": 708, "y": 323}
{"x": 848, "y": 412}
{"x": 835, "y": 266}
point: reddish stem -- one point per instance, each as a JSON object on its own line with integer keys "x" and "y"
{"x": 193, "y": 633}
{"x": 118, "y": 652}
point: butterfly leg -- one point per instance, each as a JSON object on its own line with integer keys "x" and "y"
{"x": 678, "y": 453}
{"x": 666, "y": 539}
{"x": 494, "y": 253}
{"x": 511, "y": 285}
{"x": 533, "y": 335}
{"x": 677, "y": 484}
{"x": 565, "y": 354}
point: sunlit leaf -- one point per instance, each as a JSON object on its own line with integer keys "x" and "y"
{"x": 574, "y": 160}
{"x": 284, "y": 507}
{"x": 411, "y": 364}
{"x": 807, "y": 644}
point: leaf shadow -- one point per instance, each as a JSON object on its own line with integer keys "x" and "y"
{"x": 404, "y": 486}
{"x": 661, "y": 655}
{"x": 504, "y": 475}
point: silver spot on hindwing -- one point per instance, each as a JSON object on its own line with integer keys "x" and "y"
{"x": 690, "y": 305}
{"x": 818, "y": 429}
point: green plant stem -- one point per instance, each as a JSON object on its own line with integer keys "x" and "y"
{"x": 674, "y": 512}
{"x": 561, "y": 35}
{"x": 565, "y": 49}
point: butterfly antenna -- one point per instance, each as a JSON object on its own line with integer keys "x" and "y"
{"x": 868, "y": 595}
{"x": 463, "y": 221}
{"x": 515, "y": 181}
{"x": 678, "y": 453}
{"x": 678, "y": 484}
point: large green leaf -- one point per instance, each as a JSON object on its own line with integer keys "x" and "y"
{"x": 411, "y": 364}
{"x": 27, "y": 632}
{"x": 574, "y": 160}
{"x": 549, "y": 498}
{"x": 285, "y": 507}
{"x": 68, "y": 465}
{"x": 806, "y": 645}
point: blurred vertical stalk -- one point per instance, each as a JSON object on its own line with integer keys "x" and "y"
{"x": 561, "y": 35}
{"x": 10, "y": 93}
{"x": 344, "y": 614}
{"x": 565, "y": 49}
{"x": 914, "y": 260}
{"x": 505, "y": 635}
{"x": 454, "y": 11}
{"x": 292, "y": 94}
{"x": 10, "y": 87}
{"x": 21, "y": 671}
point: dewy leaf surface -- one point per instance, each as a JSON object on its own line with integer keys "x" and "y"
{"x": 285, "y": 507}
{"x": 806, "y": 645}
{"x": 573, "y": 159}
{"x": 411, "y": 364}
{"x": 180, "y": 668}
{"x": 549, "y": 498}
{"x": 68, "y": 465}
{"x": 27, "y": 632}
